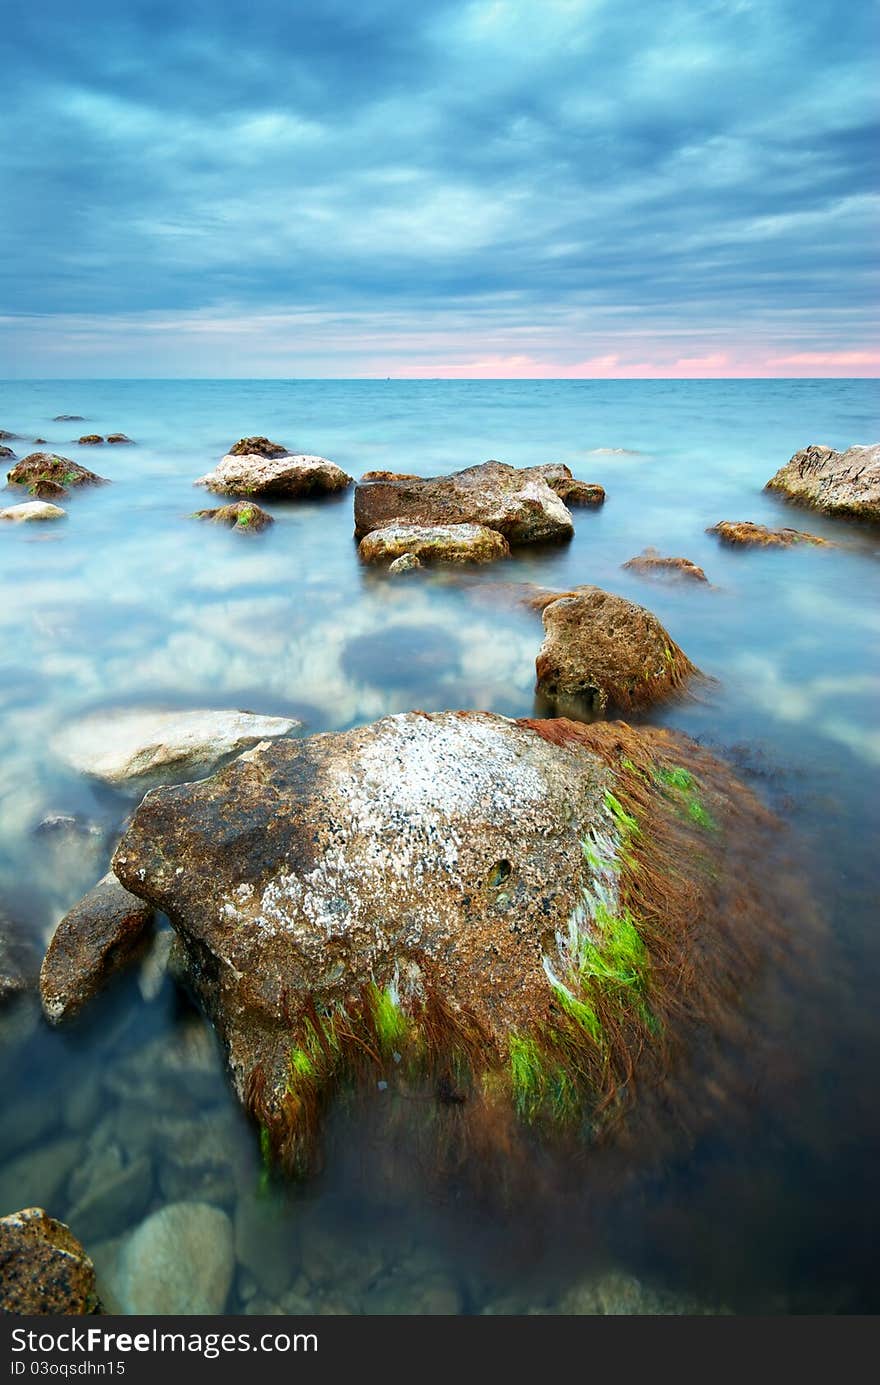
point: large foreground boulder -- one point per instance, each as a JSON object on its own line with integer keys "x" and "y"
{"x": 841, "y": 483}
{"x": 43, "y": 1267}
{"x": 434, "y": 543}
{"x": 48, "y": 476}
{"x": 141, "y": 745}
{"x": 520, "y": 504}
{"x": 285, "y": 477}
{"x": 607, "y": 653}
{"x": 520, "y": 909}
{"x": 97, "y": 938}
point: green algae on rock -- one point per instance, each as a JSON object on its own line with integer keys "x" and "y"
{"x": 520, "y": 912}
{"x": 46, "y": 475}
{"x": 243, "y": 516}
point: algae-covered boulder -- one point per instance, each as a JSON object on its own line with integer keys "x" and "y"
{"x": 243, "y": 516}
{"x": 841, "y": 483}
{"x": 48, "y": 476}
{"x": 43, "y": 1267}
{"x": 742, "y": 533}
{"x": 519, "y": 503}
{"x": 606, "y": 652}
{"x": 284, "y": 477}
{"x": 98, "y": 937}
{"x": 519, "y": 908}
{"x": 434, "y": 543}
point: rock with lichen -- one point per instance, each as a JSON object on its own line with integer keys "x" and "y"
{"x": 841, "y": 483}
{"x": 243, "y": 516}
{"x": 742, "y": 533}
{"x": 570, "y": 490}
{"x": 522, "y": 895}
{"x": 48, "y": 476}
{"x": 279, "y": 475}
{"x": 44, "y": 1268}
{"x": 434, "y": 543}
{"x": 651, "y": 563}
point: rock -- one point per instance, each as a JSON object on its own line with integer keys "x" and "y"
{"x": 572, "y": 492}
{"x": 179, "y": 1261}
{"x": 518, "y": 503}
{"x": 620, "y": 1295}
{"x": 390, "y": 476}
{"x": 48, "y": 476}
{"x": 39, "y": 442}
{"x": 98, "y": 937}
{"x": 650, "y": 563}
{"x": 43, "y": 1267}
{"x": 456, "y": 871}
{"x": 742, "y": 534}
{"x": 287, "y": 477}
{"x": 197, "y": 1155}
{"x": 90, "y": 440}
{"x": 137, "y": 745}
{"x": 258, "y": 447}
{"x": 115, "y": 1200}
{"x": 82, "y": 1103}
{"x": 442, "y": 543}
{"x": 243, "y": 516}
{"x": 25, "y": 1121}
{"x": 607, "y": 652}
{"x": 17, "y": 960}
{"x": 118, "y": 438}
{"x": 431, "y": 1295}
{"x": 181, "y": 1069}
{"x": 265, "y": 1242}
{"x": 32, "y": 510}
{"x": 841, "y": 483}
{"x": 407, "y": 562}
{"x": 7, "y": 437}
{"x": 7, "y": 453}
{"x": 68, "y": 418}
{"x": 41, "y": 1174}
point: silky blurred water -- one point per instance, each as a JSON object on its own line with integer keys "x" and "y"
{"x": 130, "y": 601}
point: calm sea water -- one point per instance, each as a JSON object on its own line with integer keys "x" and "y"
{"x": 130, "y": 601}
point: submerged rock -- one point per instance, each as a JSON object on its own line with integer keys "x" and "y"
{"x": 244, "y": 516}
{"x": 48, "y": 476}
{"x": 32, "y": 510}
{"x": 651, "y": 563}
{"x": 68, "y": 418}
{"x": 44, "y": 1268}
{"x": 286, "y": 477}
{"x": 97, "y": 938}
{"x": 445, "y": 884}
{"x": 90, "y": 439}
{"x": 519, "y": 503}
{"x": 607, "y": 652}
{"x": 842, "y": 483}
{"x": 438, "y": 543}
{"x": 573, "y": 492}
{"x": 179, "y": 1261}
{"x": 744, "y": 534}
{"x": 139, "y": 745}
{"x": 17, "y": 960}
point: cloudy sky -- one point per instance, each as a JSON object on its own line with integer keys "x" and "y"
{"x": 439, "y": 188}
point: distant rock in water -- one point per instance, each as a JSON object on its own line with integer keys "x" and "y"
{"x": 97, "y": 938}
{"x": 607, "y": 653}
{"x": 48, "y": 476}
{"x": 514, "y": 903}
{"x": 434, "y": 543}
{"x": 68, "y": 418}
{"x": 258, "y": 447}
{"x": 39, "y": 442}
{"x": 90, "y": 440}
{"x": 7, "y": 437}
{"x": 841, "y": 483}
{"x": 744, "y": 534}
{"x": 651, "y": 563}
{"x": 572, "y": 492}
{"x": 7, "y": 453}
{"x": 518, "y": 503}
{"x": 136, "y": 745}
{"x": 45, "y": 1269}
{"x": 284, "y": 477}
{"x": 31, "y": 510}
{"x": 244, "y": 516}
{"x": 119, "y": 438}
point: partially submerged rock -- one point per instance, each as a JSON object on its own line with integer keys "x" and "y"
{"x": 243, "y": 515}
{"x": 284, "y": 477}
{"x": 119, "y": 438}
{"x": 68, "y": 418}
{"x": 48, "y": 476}
{"x": 573, "y": 492}
{"x": 651, "y": 563}
{"x": 140, "y": 745}
{"x": 7, "y": 453}
{"x": 519, "y": 909}
{"x": 742, "y": 533}
{"x": 434, "y": 543}
{"x": 520, "y": 504}
{"x": 43, "y": 1267}
{"x": 32, "y": 510}
{"x": 258, "y": 447}
{"x": 7, "y": 437}
{"x": 90, "y": 440}
{"x": 407, "y": 562}
{"x": 607, "y": 653}
{"x": 98, "y": 937}
{"x": 841, "y": 483}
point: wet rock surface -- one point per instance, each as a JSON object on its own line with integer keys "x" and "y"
{"x": 608, "y": 653}
{"x": 43, "y": 1268}
{"x": 745, "y": 534}
{"x": 438, "y": 543}
{"x": 98, "y": 937}
{"x": 570, "y": 490}
{"x": 7, "y": 453}
{"x": 845, "y": 483}
{"x": 283, "y": 477}
{"x": 651, "y": 563}
{"x": 244, "y": 516}
{"x": 48, "y": 475}
{"x": 90, "y": 440}
{"x": 119, "y": 438}
{"x": 258, "y": 447}
{"x": 518, "y": 503}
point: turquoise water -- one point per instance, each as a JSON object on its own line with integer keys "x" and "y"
{"x": 130, "y": 601}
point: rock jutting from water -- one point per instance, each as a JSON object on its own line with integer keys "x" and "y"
{"x": 31, "y": 511}
{"x": 48, "y": 476}
{"x": 44, "y": 1268}
{"x": 90, "y": 440}
{"x": 7, "y": 454}
{"x": 258, "y": 467}
{"x": 119, "y": 438}
{"x": 842, "y": 483}
{"x": 98, "y": 937}
{"x": 742, "y": 533}
{"x": 434, "y": 543}
{"x": 571, "y": 491}
{"x": 68, "y": 418}
{"x": 243, "y": 516}
{"x": 651, "y": 563}
{"x": 518, "y": 503}
{"x": 141, "y": 745}
{"x": 607, "y": 653}
{"x": 518, "y": 910}
{"x": 407, "y": 562}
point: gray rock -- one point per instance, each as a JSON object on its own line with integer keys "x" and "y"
{"x": 616, "y": 1294}
{"x": 39, "y": 1177}
{"x": 289, "y": 477}
{"x": 114, "y": 1204}
{"x": 179, "y": 1261}
{"x": 843, "y": 483}
{"x": 98, "y": 937}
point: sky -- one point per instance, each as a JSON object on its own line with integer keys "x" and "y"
{"x": 453, "y": 188}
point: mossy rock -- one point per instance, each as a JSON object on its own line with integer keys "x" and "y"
{"x": 244, "y": 517}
